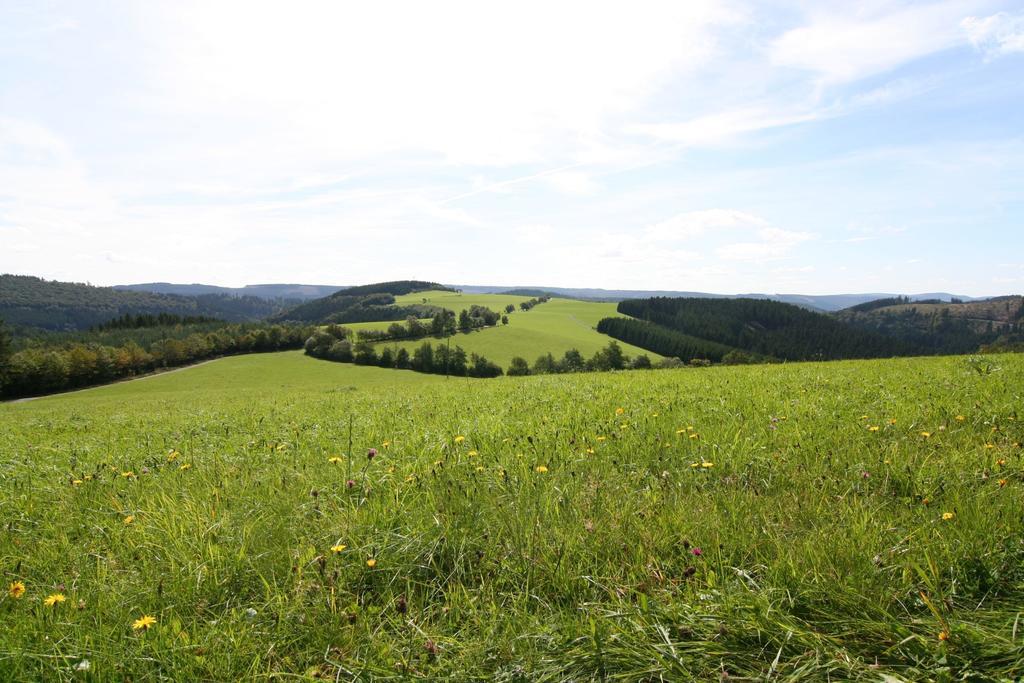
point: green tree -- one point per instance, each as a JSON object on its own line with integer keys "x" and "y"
{"x": 518, "y": 367}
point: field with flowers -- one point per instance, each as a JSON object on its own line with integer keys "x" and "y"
{"x": 275, "y": 516}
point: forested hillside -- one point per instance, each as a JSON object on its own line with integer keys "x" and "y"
{"x": 942, "y": 327}
{"x": 33, "y": 303}
{"x": 363, "y": 304}
{"x": 755, "y": 326}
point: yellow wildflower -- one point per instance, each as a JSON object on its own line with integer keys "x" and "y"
{"x": 602, "y": 438}
{"x": 472, "y": 453}
{"x": 386, "y": 444}
{"x": 129, "y": 519}
{"x": 620, "y": 411}
{"x": 1002, "y": 483}
{"x": 960, "y": 418}
{"x": 460, "y": 439}
{"x": 695, "y": 435}
{"x": 54, "y": 599}
{"x": 76, "y": 482}
{"x": 172, "y": 456}
{"x": 334, "y": 460}
{"x": 873, "y": 428}
{"x": 185, "y": 466}
{"x": 541, "y": 469}
{"x": 943, "y": 635}
{"x": 128, "y": 475}
{"x": 926, "y": 434}
{"x": 948, "y": 516}
{"x": 16, "y": 589}
{"x": 480, "y": 468}
{"x": 143, "y": 623}
{"x": 371, "y": 563}
{"x": 590, "y": 451}
{"x": 337, "y": 548}
{"x": 707, "y": 464}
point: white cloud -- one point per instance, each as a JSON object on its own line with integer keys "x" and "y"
{"x": 693, "y": 224}
{"x": 772, "y": 243}
{"x": 860, "y": 41}
{"x": 996, "y": 35}
{"x": 573, "y": 183}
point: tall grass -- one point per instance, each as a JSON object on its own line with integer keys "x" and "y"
{"x": 696, "y": 524}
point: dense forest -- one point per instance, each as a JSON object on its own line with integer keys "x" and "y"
{"x": 761, "y": 327}
{"x": 365, "y": 303}
{"x": 662, "y": 340}
{"x": 33, "y": 303}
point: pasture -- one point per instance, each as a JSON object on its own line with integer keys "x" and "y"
{"x": 852, "y": 520}
{"x": 552, "y": 327}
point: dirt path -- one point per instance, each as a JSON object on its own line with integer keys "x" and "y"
{"x": 120, "y": 381}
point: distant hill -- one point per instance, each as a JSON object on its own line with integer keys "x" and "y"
{"x": 756, "y": 328}
{"x": 28, "y": 303}
{"x": 941, "y": 326}
{"x": 374, "y": 302}
{"x": 271, "y": 292}
{"x": 822, "y": 302}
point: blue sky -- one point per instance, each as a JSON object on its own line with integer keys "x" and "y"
{"x": 712, "y": 146}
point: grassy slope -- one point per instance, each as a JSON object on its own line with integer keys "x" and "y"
{"x": 555, "y": 326}
{"x": 816, "y": 538}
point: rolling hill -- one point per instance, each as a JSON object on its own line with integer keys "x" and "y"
{"x": 552, "y": 327}
{"x": 364, "y": 303}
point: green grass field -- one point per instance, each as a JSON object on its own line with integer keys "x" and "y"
{"x": 552, "y": 327}
{"x": 849, "y": 520}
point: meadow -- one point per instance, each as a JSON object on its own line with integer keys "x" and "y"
{"x": 552, "y": 327}
{"x": 273, "y": 516}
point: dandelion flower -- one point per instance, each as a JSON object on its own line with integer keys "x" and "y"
{"x": 76, "y": 482}
{"x": 694, "y": 436}
{"x": 16, "y": 589}
{"x": 472, "y": 453}
{"x": 541, "y": 469}
{"x": 960, "y": 418}
{"x": 172, "y": 456}
{"x": 1002, "y": 483}
{"x": 926, "y": 434}
{"x": 680, "y": 431}
{"x": 460, "y": 439}
{"x": 948, "y": 516}
{"x": 707, "y": 464}
{"x": 602, "y": 438}
{"x": 129, "y": 519}
{"x": 990, "y": 445}
{"x": 943, "y": 635}
{"x": 620, "y": 411}
{"x": 386, "y": 444}
{"x": 143, "y": 623}
{"x": 590, "y": 451}
{"x": 185, "y": 466}
{"x": 337, "y": 548}
{"x": 334, "y": 460}
{"x": 54, "y": 599}
{"x": 371, "y": 563}
{"x": 128, "y": 475}
{"x": 873, "y": 428}
{"x": 480, "y": 468}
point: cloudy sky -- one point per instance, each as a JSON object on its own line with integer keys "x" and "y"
{"x": 702, "y": 145}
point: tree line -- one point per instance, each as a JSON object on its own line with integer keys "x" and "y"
{"x": 609, "y": 358}
{"x": 336, "y": 343}
{"x": 43, "y": 369}
{"x": 130, "y": 321}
